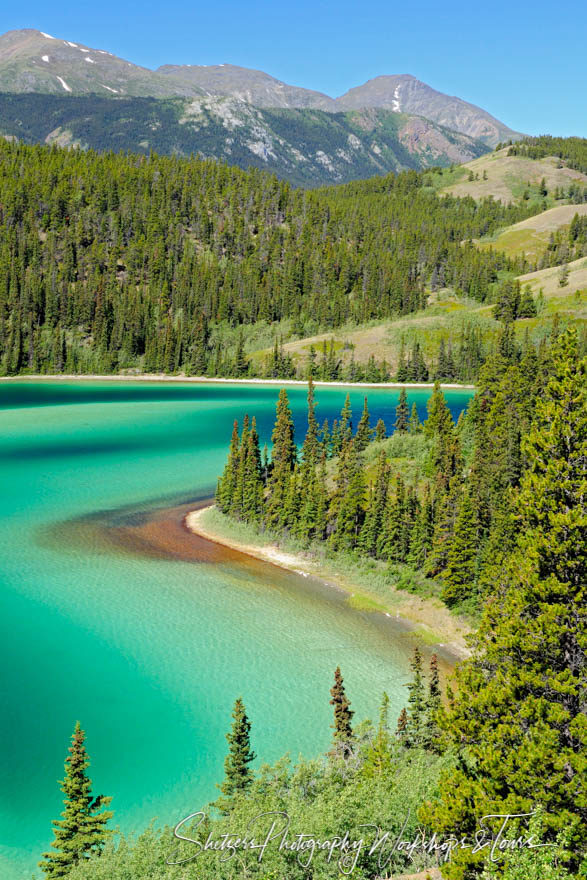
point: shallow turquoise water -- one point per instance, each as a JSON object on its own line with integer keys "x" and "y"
{"x": 150, "y": 653}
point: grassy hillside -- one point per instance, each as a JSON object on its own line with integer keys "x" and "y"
{"x": 508, "y": 178}
{"x": 445, "y": 319}
{"x": 549, "y": 281}
{"x": 530, "y": 237}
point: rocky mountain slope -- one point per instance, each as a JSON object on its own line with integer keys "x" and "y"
{"x": 307, "y": 147}
{"x": 406, "y": 94}
{"x": 33, "y": 61}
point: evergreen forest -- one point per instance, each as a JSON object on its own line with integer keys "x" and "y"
{"x": 113, "y": 262}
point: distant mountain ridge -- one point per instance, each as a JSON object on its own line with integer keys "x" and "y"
{"x": 34, "y": 61}
{"x": 307, "y": 147}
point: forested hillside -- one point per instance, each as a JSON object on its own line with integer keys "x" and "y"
{"x": 306, "y": 147}
{"x": 111, "y": 261}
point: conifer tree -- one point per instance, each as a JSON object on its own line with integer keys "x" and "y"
{"x": 82, "y": 830}
{"x": 402, "y": 370}
{"x": 421, "y": 535}
{"x": 378, "y": 754}
{"x": 439, "y": 418}
{"x": 237, "y": 773}
{"x": 241, "y": 364}
{"x": 414, "y": 425}
{"x": 364, "y": 432}
{"x": 431, "y": 731}
{"x": 372, "y": 526}
{"x": 326, "y": 438}
{"x": 527, "y": 307}
{"x": 283, "y": 459}
{"x": 237, "y": 505}
{"x": 227, "y": 482}
{"x": 343, "y": 714}
{"x": 290, "y": 515}
{"x": 349, "y": 502}
{"x": 518, "y": 715}
{"x": 252, "y": 506}
{"x": 402, "y": 727}
{"x": 445, "y": 512}
{"x": 416, "y": 703}
{"x": 392, "y": 537}
{"x": 311, "y": 442}
{"x": 345, "y": 424}
{"x": 402, "y": 413}
{"x": 460, "y": 572}
{"x": 380, "y": 431}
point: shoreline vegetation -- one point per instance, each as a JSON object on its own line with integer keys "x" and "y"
{"x": 426, "y": 617}
{"x": 163, "y": 377}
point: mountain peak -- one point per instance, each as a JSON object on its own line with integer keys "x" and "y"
{"x": 36, "y": 61}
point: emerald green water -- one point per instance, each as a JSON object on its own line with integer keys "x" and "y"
{"x": 149, "y": 652}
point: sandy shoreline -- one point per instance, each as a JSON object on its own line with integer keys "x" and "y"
{"x": 162, "y": 377}
{"x": 427, "y": 616}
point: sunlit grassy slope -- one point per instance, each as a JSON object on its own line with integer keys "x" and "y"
{"x": 509, "y": 178}
{"x": 444, "y": 318}
{"x": 530, "y": 237}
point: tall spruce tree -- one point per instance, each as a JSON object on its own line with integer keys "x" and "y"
{"x": 237, "y": 773}
{"x": 252, "y": 506}
{"x": 364, "y": 432}
{"x": 416, "y": 723}
{"x": 227, "y": 482}
{"x": 380, "y": 431}
{"x": 519, "y": 716}
{"x": 431, "y": 730}
{"x": 461, "y": 564}
{"x": 373, "y": 523}
{"x": 402, "y": 413}
{"x": 414, "y": 425}
{"x": 349, "y": 503}
{"x": 343, "y": 714}
{"x": 283, "y": 459}
{"x": 82, "y": 830}
{"x": 311, "y": 441}
{"x": 377, "y": 759}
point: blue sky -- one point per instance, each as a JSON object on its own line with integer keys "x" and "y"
{"x": 522, "y": 61}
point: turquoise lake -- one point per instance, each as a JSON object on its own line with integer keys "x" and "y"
{"x": 149, "y": 650}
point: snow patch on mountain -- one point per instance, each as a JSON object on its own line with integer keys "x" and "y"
{"x": 48, "y": 36}
{"x": 395, "y": 106}
{"x": 64, "y": 84}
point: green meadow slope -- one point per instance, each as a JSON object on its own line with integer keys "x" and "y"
{"x": 444, "y": 320}
{"x": 507, "y": 178}
{"x": 529, "y": 238}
